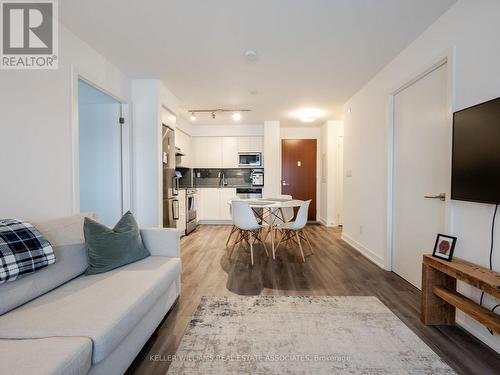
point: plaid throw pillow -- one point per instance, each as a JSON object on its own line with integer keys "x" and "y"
{"x": 23, "y": 250}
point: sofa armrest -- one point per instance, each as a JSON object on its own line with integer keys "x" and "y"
{"x": 162, "y": 241}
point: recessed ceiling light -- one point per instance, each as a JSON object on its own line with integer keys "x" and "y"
{"x": 193, "y": 117}
{"x": 307, "y": 119}
{"x": 251, "y": 54}
{"x": 236, "y": 116}
{"x": 308, "y": 114}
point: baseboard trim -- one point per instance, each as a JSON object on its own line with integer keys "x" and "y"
{"x": 484, "y": 337}
{"x": 202, "y": 222}
{"x": 363, "y": 250}
{"x": 328, "y": 224}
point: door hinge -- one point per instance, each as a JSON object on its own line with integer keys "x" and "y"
{"x": 122, "y": 120}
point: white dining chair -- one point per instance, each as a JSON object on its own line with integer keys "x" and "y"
{"x": 295, "y": 229}
{"x": 233, "y": 228}
{"x": 248, "y": 228}
{"x": 285, "y": 214}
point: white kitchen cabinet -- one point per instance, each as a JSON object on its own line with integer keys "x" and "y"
{"x": 229, "y": 152}
{"x": 183, "y": 141}
{"x": 212, "y": 203}
{"x": 225, "y": 195}
{"x": 208, "y": 203}
{"x": 256, "y": 144}
{"x": 250, "y": 144}
{"x": 244, "y": 144}
{"x": 213, "y": 146}
{"x": 199, "y": 151}
{"x": 221, "y": 152}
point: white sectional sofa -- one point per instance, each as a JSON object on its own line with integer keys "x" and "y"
{"x": 59, "y": 321}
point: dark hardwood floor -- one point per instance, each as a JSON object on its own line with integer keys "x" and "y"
{"x": 335, "y": 269}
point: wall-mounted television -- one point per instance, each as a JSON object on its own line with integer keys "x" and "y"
{"x": 475, "y": 172}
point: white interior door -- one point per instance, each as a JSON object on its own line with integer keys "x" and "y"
{"x": 422, "y": 137}
{"x": 100, "y": 154}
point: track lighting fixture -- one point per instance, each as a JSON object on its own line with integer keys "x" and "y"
{"x": 236, "y": 113}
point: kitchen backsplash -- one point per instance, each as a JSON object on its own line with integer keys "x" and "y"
{"x": 235, "y": 177}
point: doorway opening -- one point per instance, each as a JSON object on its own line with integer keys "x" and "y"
{"x": 298, "y": 171}
{"x": 100, "y": 154}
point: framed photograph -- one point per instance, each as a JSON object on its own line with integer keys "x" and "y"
{"x": 444, "y": 247}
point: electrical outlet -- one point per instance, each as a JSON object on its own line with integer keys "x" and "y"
{"x": 348, "y": 173}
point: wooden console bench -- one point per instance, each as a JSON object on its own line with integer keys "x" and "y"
{"x": 440, "y": 298}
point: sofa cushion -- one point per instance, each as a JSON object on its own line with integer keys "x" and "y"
{"x": 23, "y": 250}
{"x": 53, "y": 355}
{"x": 104, "y": 307}
{"x": 66, "y": 237}
{"x": 108, "y": 248}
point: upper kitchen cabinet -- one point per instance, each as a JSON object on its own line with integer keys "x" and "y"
{"x": 250, "y": 144}
{"x": 214, "y": 152}
{"x": 221, "y": 152}
{"x": 229, "y": 152}
{"x": 183, "y": 141}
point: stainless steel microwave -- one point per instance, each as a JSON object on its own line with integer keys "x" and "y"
{"x": 250, "y": 159}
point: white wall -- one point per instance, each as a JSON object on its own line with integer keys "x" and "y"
{"x": 36, "y": 130}
{"x": 328, "y": 177}
{"x": 228, "y": 130}
{"x": 472, "y": 28}
{"x": 272, "y": 159}
{"x": 150, "y": 99}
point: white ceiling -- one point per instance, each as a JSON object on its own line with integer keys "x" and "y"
{"x": 311, "y": 53}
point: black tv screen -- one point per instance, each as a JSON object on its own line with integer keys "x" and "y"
{"x": 475, "y": 173}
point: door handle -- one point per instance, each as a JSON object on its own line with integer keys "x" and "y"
{"x": 284, "y": 183}
{"x": 441, "y": 197}
{"x": 175, "y": 210}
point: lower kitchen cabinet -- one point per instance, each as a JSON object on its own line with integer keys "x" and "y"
{"x": 212, "y": 203}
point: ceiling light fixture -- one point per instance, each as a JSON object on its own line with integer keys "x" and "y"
{"x": 251, "y": 54}
{"x": 308, "y": 114}
{"x": 307, "y": 119}
{"x": 236, "y": 113}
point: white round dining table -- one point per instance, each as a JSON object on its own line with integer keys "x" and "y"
{"x": 271, "y": 205}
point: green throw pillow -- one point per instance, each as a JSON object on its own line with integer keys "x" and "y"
{"x": 108, "y": 248}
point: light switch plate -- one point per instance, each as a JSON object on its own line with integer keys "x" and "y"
{"x": 348, "y": 173}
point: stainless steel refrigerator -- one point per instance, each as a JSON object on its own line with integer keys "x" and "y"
{"x": 170, "y": 180}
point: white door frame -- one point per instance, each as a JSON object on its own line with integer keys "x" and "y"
{"x": 76, "y": 75}
{"x": 448, "y": 59}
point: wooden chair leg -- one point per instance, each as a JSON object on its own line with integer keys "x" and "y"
{"x": 306, "y": 236}
{"x": 300, "y": 246}
{"x": 251, "y": 247}
{"x": 263, "y": 243}
{"x": 279, "y": 242}
{"x": 238, "y": 239}
{"x": 233, "y": 229}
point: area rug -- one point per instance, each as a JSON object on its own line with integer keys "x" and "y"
{"x": 301, "y": 335}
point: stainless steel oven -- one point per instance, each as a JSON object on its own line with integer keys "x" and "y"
{"x": 250, "y": 159}
{"x": 191, "y": 210}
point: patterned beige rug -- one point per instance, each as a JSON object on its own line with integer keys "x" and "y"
{"x": 301, "y": 335}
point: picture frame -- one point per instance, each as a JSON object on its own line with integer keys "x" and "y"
{"x": 444, "y": 247}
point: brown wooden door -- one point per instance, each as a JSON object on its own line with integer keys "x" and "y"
{"x": 298, "y": 171}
